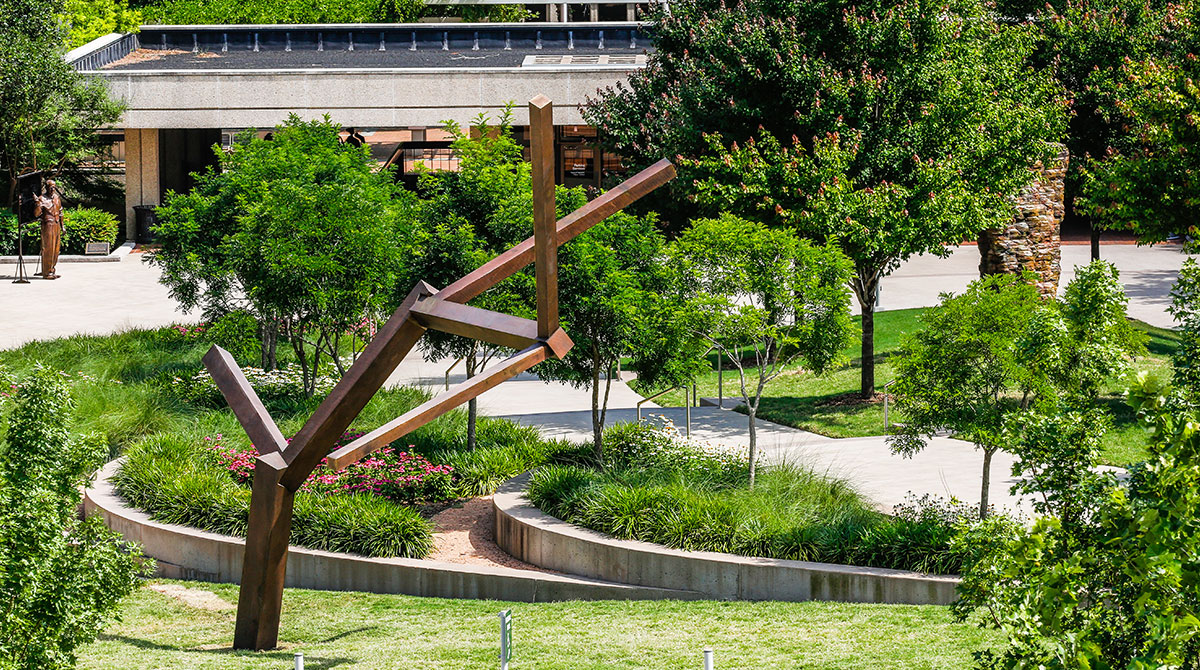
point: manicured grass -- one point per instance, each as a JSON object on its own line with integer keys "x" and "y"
{"x": 825, "y": 404}
{"x": 358, "y": 630}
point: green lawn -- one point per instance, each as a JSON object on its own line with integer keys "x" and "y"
{"x": 361, "y": 630}
{"x": 825, "y": 404}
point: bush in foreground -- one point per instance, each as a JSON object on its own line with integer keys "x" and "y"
{"x": 61, "y": 579}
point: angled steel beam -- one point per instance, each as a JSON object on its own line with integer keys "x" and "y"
{"x": 479, "y": 324}
{"x": 569, "y": 227}
{"x": 438, "y": 405}
{"x": 244, "y": 402}
{"x": 545, "y": 227}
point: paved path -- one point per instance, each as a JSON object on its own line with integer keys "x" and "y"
{"x": 95, "y": 298}
{"x": 106, "y": 297}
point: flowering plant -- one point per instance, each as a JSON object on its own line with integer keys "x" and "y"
{"x": 400, "y": 476}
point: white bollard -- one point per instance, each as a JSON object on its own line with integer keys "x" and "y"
{"x": 708, "y": 659}
{"x": 299, "y": 660}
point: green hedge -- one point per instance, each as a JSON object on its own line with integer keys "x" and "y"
{"x": 80, "y": 226}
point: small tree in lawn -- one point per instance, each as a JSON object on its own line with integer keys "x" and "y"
{"x": 61, "y": 578}
{"x": 765, "y": 299}
{"x": 1185, "y": 307}
{"x": 299, "y": 230}
{"x": 608, "y": 282}
{"x": 466, "y": 217}
{"x": 968, "y": 370}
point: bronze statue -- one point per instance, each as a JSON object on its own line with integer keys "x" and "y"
{"x": 48, "y": 208}
{"x": 283, "y": 466}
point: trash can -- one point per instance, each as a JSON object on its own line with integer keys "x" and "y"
{"x": 146, "y": 218}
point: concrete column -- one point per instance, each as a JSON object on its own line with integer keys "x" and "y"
{"x": 141, "y": 174}
{"x": 593, "y": 13}
{"x": 630, "y": 12}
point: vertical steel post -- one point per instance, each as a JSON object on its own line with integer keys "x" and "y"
{"x": 708, "y": 659}
{"x": 545, "y": 223}
{"x": 687, "y": 410}
{"x": 720, "y": 382}
{"x": 299, "y": 659}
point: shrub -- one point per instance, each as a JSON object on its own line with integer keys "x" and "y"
{"x": 401, "y": 477}
{"x": 9, "y": 234}
{"x": 271, "y": 385}
{"x": 61, "y": 578}
{"x": 85, "y": 224}
{"x": 237, "y": 333}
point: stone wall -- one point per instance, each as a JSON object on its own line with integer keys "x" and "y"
{"x": 1031, "y": 241}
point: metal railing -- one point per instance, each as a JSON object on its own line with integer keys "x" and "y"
{"x": 687, "y": 405}
{"x": 886, "y": 421}
{"x": 449, "y": 369}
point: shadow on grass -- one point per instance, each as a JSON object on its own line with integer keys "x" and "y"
{"x": 284, "y": 657}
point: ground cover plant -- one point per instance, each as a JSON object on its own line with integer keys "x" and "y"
{"x": 351, "y": 631}
{"x": 187, "y": 457}
{"x": 656, "y": 487}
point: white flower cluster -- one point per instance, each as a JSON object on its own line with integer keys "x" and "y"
{"x": 667, "y": 445}
{"x": 280, "y": 383}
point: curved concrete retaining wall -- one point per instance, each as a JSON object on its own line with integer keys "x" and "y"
{"x": 532, "y": 536}
{"x": 187, "y": 553}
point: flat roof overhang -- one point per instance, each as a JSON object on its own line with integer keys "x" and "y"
{"x": 255, "y": 76}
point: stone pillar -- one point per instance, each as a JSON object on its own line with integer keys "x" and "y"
{"x": 1031, "y": 240}
{"x": 141, "y": 174}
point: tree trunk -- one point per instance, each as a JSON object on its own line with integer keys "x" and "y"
{"x": 1095, "y": 242}
{"x": 269, "y": 333}
{"x": 597, "y": 423}
{"x": 866, "y": 289}
{"x": 987, "y": 482}
{"x": 752, "y": 411}
{"x": 472, "y": 405}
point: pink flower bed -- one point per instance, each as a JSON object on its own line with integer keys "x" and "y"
{"x": 399, "y": 476}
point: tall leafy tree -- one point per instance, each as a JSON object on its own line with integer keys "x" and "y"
{"x": 765, "y": 299}
{"x": 61, "y": 578}
{"x": 299, "y": 230}
{"x": 48, "y": 111}
{"x": 891, "y": 127}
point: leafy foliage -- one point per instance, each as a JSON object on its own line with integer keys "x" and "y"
{"x": 298, "y": 230}
{"x": 48, "y": 111}
{"x": 90, "y": 19}
{"x": 61, "y": 578}
{"x": 1185, "y": 308}
{"x": 1110, "y": 580}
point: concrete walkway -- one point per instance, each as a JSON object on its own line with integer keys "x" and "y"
{"x": 107, "y": 297}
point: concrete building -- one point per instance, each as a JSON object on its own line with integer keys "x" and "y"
{"x": 189, "y": 87}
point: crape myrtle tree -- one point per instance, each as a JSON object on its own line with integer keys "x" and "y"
{"x": 1087, "y": 45}
{"x": 891, "y": 127}
{"x": 301, "y": 231}
{"x": 48, "y": 111}
{"x": 61, "y": 577}
{"x": 988, "y": 356}
{"x": 1150, "y": 182}
{"x": 763, "y": 298}
{"x": 466, "y": 217}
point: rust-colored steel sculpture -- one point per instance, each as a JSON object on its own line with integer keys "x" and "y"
{"x": 281, "y": 468}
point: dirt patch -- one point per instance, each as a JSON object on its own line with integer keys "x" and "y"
{"x": 853, "y": 399}
{"x": 148, "y": 55}
{"x": 198, "y": 598}
{"x": 466, "y": 533}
